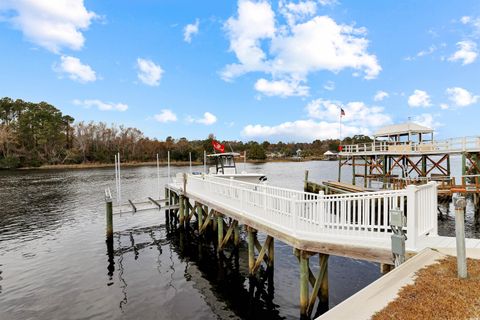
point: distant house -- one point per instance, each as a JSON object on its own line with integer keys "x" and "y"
{"x": 329, "y": 155}
{"x": 299, "y": 153}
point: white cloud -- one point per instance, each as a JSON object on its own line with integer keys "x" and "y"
{"x": 444, "y": 106}
{"x": 75, "y": 69}
{"x": 427, "y": 120}
{"x": 149, "y": 72}
{"x": 100, "y": 105}
{"x": 165, "y": 115}
{"x": 294, "y": 12}
{"x": 329, "y": 85}
{"x": 473, "y": 22}
{"x": 301, "y": 130}
{"x": 297, "y": 48}
{"x": 190, "y": 30}
{"x": 419, "y": 98}
{"x": 256, "y": 21}
{"x": 461, "y": 97}
{"x": 323, "y": 122}
{"x": 356, "y": 113}
{"x": 282, "y": 88}
{"x": 50, "y": 24}
{"x": 207, "y": 119}
{"x": 467, "y": 52}
{"x": 380, "y": 95}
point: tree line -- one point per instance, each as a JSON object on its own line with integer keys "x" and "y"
{"x": 35, "y": 134}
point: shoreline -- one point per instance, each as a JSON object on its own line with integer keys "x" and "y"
{"x": 97, "y": 165}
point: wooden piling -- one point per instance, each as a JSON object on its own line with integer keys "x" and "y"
{"x": 324, "y": 296}
{"x": 199, "y": 216}
{"x": 339, "y": 168}
{"x": 353, "y": 171}
{"x": 251, "y": 249}
{"x": 182, "y": 210}
{"x": 109, "y": 217}
{"x": 271, "y": 255}
{"x": 220, "y": 231}
{"x": 236, "y": 235}
{"x": 304, "y": 284}
{"x": 305, "y": 181}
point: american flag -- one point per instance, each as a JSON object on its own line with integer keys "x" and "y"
{"x": 342, "y": 112}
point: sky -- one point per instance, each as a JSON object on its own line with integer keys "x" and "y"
{"x": 247, "y": 70}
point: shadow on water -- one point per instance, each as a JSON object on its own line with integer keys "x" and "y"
{"x": 221, "y": 278}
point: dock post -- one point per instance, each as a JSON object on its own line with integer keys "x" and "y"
{"x": 182, "y": 210}
{"x": 339, "y": 168}
{"x": 353, "y": 171}
{"x": 186, "y": 211}
{"x": 305, "y": 181}
{"x": 109, "y": 217}
{"x": 251, "y": 249}
{"x": 460, "y": 205}
{"x": 365, "y": 172}
{"x": 236, "y": 235}
{"x": 220, "y": 231}
{"x": 304, "y": 284}
{"x": 424, "y": 166}
{"x": 200, "y": 216}
{"x": 271, "y": 255}
{"x": 324, "y": 285}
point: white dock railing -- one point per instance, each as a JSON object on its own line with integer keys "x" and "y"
{"x": 450, "y": 145}
{"x": 309, "y": 216}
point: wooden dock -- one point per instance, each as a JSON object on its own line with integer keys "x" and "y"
{"x": 355, "y": 225}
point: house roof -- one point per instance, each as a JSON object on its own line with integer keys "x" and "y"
{"x": 402, "y": 129}
{"x": 330, "y": 153}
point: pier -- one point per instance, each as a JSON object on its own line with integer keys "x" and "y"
{"x": 353, "y": 223}
{"x": 350, "y": 225}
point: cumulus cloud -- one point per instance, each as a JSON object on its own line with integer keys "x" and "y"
{"x": 461, "y": 97}
{"x": 282, "y": 88}
{"x": 75, "y": 69}
{"x": 305, "y": 44}
{"x": 207, "y": 119}
{"x": 53, "y": 25}
{"x": 467, "y": 52}
{"x": 380, "y": 95}
{"x": 356, "y": 113}
{"x": 190, "y": 30}
{"x": 426, "y": 120}
{"x": 419, "y": 98}
{"x": 149, "y": 72}
{"x": 100, "y": 105}
{"x": 165, "y": 115}
{"x": 323, "y": 122}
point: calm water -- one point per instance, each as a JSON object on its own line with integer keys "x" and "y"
{"x": 54, "y": 262}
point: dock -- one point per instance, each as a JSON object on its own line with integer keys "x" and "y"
{"x": 354, "y": 225}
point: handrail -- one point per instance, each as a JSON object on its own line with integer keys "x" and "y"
{"x": 452, "y": 144}
{"x": 312, "y": 216}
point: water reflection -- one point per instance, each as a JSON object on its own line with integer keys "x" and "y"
{"x": 222, "y": 278}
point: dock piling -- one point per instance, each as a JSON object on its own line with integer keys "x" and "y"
{"x": 109, "y": 216}
{"x": 304, "y": 298}
{"x": 460, "y": 205}
{"x": 251, "y": 249}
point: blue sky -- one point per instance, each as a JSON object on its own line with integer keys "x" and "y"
{"x": 247, "y": 70}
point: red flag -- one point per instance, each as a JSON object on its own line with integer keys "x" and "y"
{"x": 218, "y": 146}
{"x": 342, "y": 112}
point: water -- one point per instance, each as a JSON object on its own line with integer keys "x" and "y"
{"x": 54, "y": 262}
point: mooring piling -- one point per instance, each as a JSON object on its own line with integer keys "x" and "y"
{"x": 109, "y": 213}
{"x": 460, "y": 205}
